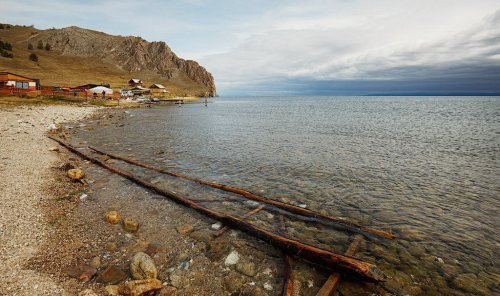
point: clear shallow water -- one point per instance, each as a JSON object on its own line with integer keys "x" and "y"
{"x": 427, "y": 168}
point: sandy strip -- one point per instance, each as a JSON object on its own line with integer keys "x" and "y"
{"x": 25, "y": 161}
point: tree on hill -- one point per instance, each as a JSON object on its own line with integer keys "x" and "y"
{"x": 33, "y": 57}
{"x": 30, "y": 46}
{"x": 40, "y": 44}
{"x": 5, "y": 45}
{"x": 6, "y": 54}
{"x": 47, "y": 47}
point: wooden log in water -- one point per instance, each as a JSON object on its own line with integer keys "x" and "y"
{"x": 288, "y": 207}
{"x": 252, "y": 212}
{"x": 333, "y": 280}
{"x": 288, "y": 287}
{"x": 312, "y": 254}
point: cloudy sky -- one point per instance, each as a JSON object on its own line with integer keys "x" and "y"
{"x": 258, "y": 47}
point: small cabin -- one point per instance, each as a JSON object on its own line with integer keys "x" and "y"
{"x": 158, "y": 89}
{"x": 135, "y": 82}
{"x": 139, "y": 90}
{"x": 11, "y": 80}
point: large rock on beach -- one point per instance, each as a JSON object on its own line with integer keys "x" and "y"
{"x": 143, "y": 267}
{"x": 140, "y": 287}
{"x": 84, "y": 273}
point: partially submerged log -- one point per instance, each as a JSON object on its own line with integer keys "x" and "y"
{"x": 288, "y": 284}
{"x": 291, "y": 208}
{"x": 334, "y": 279}
{"x": 315, "y": 255}
{"x": 252, "y": 212}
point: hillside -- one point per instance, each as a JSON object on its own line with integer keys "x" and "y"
{"x": 79, "y": 56}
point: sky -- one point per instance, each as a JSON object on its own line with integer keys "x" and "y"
{"x": 314, "y": 47}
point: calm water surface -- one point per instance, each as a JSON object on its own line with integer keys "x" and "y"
{"x": 427, "y": 168}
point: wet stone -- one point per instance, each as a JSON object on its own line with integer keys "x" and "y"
{"x": 112, "y": 217}
{"x": 202, "y": 236}
{"x": 130, "y": 224}
{"x": 218, "y": 249}
{"x": 234, "y": 282}
{"x": 111, "y": 275}
{"x": 143, "y": 267}
{"x": 83, "y": 273}
{"x": 185, "y": 228}
{"x": 247, "y": 269}
{"x": 141, "y": 287}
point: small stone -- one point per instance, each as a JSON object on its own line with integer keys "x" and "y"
{"x": 130, "y": 224}
{"x": 87, "y": 292}
{"x": 217, "y": 249}
{"x": 83, "y": 196}
{"x": 112, "y": 290}
{"x": 95, "y": 262}
{"x": 303, "y": 206}
{"x": 111, "y": 275}
{"x": 268, "y": 286}
{"x": 234, "y": 282}
{"x": 143, "y": 267}
{"x": 140, "y": 287}
{"x": 113, "y": 217}
{"x": 203, "y": 236}
{"x": 54, "y": 149}
{"x": 232, "y": 258}
{"x": 178, "y": 279}
{"x": 110, "y": 247}
{"x": 216, "y": 226}
{"x": 185, "y": 228}
{"x": 84, "y": 273}
{"x": 76, "y": 174}
{"x": 247, "y": 269}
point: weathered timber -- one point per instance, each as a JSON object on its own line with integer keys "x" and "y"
{"x": 252, "y": 212}
{"x": 312, "y": 254}
{"x": 288, "y": 284}
{"x": 291, "y": 208}
{"x": 333, "y": 280}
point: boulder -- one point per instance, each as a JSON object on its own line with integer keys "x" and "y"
{"x": 140, "y": 287}
{"x": 113, "y": 217}
{"x": 75, "y": 174}
{"x": 111, "y": 275}
{"x": 130, "y": 224}
{"x": 143, "y": 267}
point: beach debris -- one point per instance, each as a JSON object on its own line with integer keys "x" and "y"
{"x": 111, "y": 275}
{"x": 76, "y": 174}
{"x": 247, "y": 194}
{"x": 140, "y": 287}
{"x": 313, "y": 254}
{"x": 232, "y": 258}
{"x": 130, "y": 224}
{"x": 246, "y": 268}
{"x": 185, "y": 228}
{"x": 143, "y": 267}
{"x": 113, "y": 217}
{"x": 87, "y": 292}
{"x": 83, "y": 272}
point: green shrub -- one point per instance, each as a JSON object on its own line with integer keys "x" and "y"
{"x": 33, "y": 57}
{"x": 47, "y": 47}
{"x": 30, "y": 46}
{"x": 40, "y": 44}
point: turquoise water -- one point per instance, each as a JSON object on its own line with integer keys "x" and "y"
{"x": 426, "y": 168}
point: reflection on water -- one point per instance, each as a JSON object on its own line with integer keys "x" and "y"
{"x": 427, "y": 168}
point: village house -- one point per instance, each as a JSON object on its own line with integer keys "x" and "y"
{"x": 8, "y": 79}
{"x": 135, "y": 82}
{"x": 158, "y": 89}
{"x": 139, "y": 90}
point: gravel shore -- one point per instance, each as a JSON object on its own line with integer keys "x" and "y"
{"x": 25, "y": 162}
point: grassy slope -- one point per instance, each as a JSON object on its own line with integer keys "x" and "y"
{"x": 55, "y": 69}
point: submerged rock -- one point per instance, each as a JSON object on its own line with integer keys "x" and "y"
{"x": 87, "y": 292}
{"x": 466, "y": 282}
{"x": 185, "y": 228}
{"x": 140, "y": 287}
{"x": 84, "y": 273}
{"x": 113, "y": 217}
{"x": 247, "y": 269}
{"x": 112, "y": 290}
{"x": 111, "y": 275}
{"x": 143, "y": 267}
{"x": 130, "y": 224}
{"x": 232, "y": 258}
{"x": 203, "y": 236}
{"x": 95, "y": 262}
{"x": 217, "y": 249}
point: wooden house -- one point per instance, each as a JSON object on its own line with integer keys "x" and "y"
{"x": 139, "y": 90}
{"x": 135, "y": 82}
{"x": 11, "y": 80}
{"x": 158, "y": 89}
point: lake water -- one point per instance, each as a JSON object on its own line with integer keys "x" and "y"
{"x": 425, "y": 168}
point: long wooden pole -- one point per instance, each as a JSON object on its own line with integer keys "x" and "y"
{"x": 315, "y": 255}
{"x": 291, "y": 208}
{"x": 334, "y": 279}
